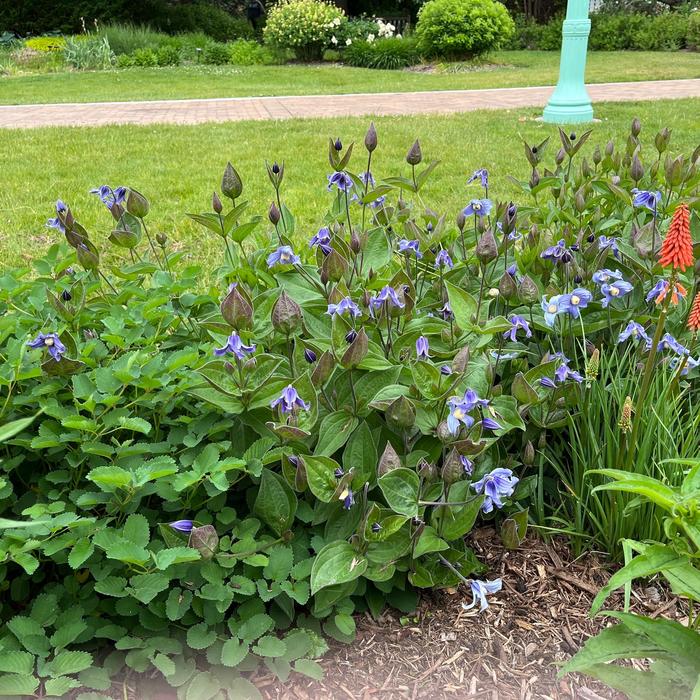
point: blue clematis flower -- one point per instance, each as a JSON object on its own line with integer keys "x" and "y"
{"x": 340, "y": 180}
{"x": 445, "y": 370}
{"x": 574, "y": 302}
{"x": 443, "y": 259}
{"x": 284, "y": 255}
{"x": 690, "y": 364}
{"x": 478, "y": 207}
{"x": 645, "y": 198}
{"x": 615, "y": 290}
{"x": 234, "y": 346}
{"x": 309, "y": 355}
{"x": 668, "y": 342}
{"x": 110, "y": 196}
{"x": 635, "y": 331}
{"x": 182, "y": 526}
{"x": 321, "y": 239}
{"x": 406, "y": 246}
{"x": 367, "y": 179}
{"x": 512, "y": 270}
{"x": 490, "y": 424}
{"x": 482, "y": 175}
{"x": 517, "y": 323}
{"x": 289, "y": 400}
{"x": 422, "y": 347}
{"x": 564, "y": 372}
{"x": 346, "y": 496}
{"x": 345, "y": 306}
{"x": 56, "y": 222}
{"x": 460, "y": 409}
{"x": 480, "y": 589}
{"x": 51, "y": 342}
{"x": 498, "y": 484}
{"x": 611, "y": 244}
{"x": 446, "y": 311}
{"x": 467, "y": 465}
{"x": 604, "y": 275}
{"x": 660, "y": 287}
{"x": 558, "y": 253}
{"x": 388, "y": 295}
{"x": 551, "y": 308}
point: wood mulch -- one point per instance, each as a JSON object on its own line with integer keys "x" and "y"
{"x": 510, "y": 651}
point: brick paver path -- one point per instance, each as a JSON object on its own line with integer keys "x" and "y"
{"x": 240, "y": 108}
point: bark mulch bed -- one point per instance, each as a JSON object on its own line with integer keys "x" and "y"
{"x": 510, "y": 651}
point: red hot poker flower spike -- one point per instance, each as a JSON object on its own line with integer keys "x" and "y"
{"x": 694, "y": 317}
{"x": 677, "y": 248}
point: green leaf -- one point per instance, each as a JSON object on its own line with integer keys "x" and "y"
{"x": 270, "y": 646}
{"x": 60, "y": 686}
{"x": 137, "y": 530}
{"x": 320, "y": 473}
{"x": 138, "y": 425}
{"x": 310, "y": 668}
{"x": 200, "y": 636}
{"x": 175, "y": 555}
{"x": 463, "y": 306}
{"x": 279, "y": 564}
{"x": 336, "y": 563}
{"x": 334, "y": 432}
{"x": 18, "y": 684}
{"x": 17, "y": 662}
{"x": 145, "y": 587}
{"x": 233, "y": 652}
{"x": 360, "y": 455}
{"x": 114, "y": 586}
{"x": 646, "y": 486}
{"x": 82, "y": 550}
{"x": 429, "y": 542}
{"x": 255, "y": 627}
{"x": 276, "y": 502}
{"x": 400, "y": 488}
{"x": 110, "y": 478}
{"x": 67, "y": 634}
{"x": 178, "y": 603}
{"x": 345, "y": 623}
{"x": 164, "y": 664}
{"x": 453, "y": 522}
{"x": 203, "y": 686}
{"x": 9, "y": 430}
{"x": 67, "y": 662}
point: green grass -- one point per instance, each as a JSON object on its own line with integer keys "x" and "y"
{"x": 506, "y": 69}
{"x": 177, "y": 167}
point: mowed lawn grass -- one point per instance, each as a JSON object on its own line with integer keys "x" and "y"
{"x": 178, "y": 167}
{"x": 503, "y": 69}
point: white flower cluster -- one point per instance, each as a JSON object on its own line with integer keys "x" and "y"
{"x": 299, "y": 23}
{"x": 386, "y": 29}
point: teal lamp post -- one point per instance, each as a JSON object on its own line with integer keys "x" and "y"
{"x": 570, "y": 103}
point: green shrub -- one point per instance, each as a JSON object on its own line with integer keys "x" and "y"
{"x": 205, "y": 17}
{"x": 462, "y": 28}
{"x": 665, "y": 32}
{"x": 216, "y": 54}
{"x": 167, "y": 55}
{"x": 303, "y": 26}
{"x": 529, "y": 34}
{"x": 692, "y": 36}
{"x": 144, "y": 58}
{"x": 46, "y": 43}
{"x": 88, "y": 53}
{"x": 245, "y": 52}
{"x": 126, "y": 38}
{"x": 382, "y": 53}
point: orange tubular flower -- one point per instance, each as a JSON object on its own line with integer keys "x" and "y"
{"x": 677, "y": 248}
{"x": 694, "y": 317}
{"x": 678, "y": 291}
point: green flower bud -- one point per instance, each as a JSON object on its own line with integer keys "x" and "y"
{"x": 231, "y": 185}
{"x": 334, "y": 266}
{"x": 507, "y": 287}
{"x": 401, "y": 414}
{"x": 452, "y": 469}
{"x": 357, "y": 350}
{"x": 136, "y": 204}
{"x": 216, "y": 204}
{"x": 236, "y": 310}
{"x": 286, "y": 314}
{"x": 371, "y": 138}
{"x": 529, "y": 454}
{"x": 487, "y": 248}
{"x": 528, "y": 293}
{"x": 323, "y": 369}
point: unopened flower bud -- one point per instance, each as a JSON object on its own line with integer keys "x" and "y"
{"x": 507, "y": 287}
{"x": 487, "y": 248}
{"x": 636, "y": 169}
{"x": 528, "y": 293}
{"x": 389, "y": 460}
{"x": 355, "y": 245}
{"x": 560, "y": 157}
{"x": 136, "y": 204}
{"x": 426, "y": 470}
{"x": 529, "y": 454}
{"x": 66, "y": 295}
{"x": 236, "y": 310}
{"x": 338, "y": 145}
{"x": 276, "y": 168}
{"x": 350, "y": 335}
{"x": 597, "y": 157}
{"x": 444, "y": 433}
{"x": 323, "y": 369}
{"x": 609, "y": 148}
{"x": 274, "y": 214}
{"x": 452, "y": 469}
{"x": 461, "y": 360}
{"x": 205, "y": 540}
{"x": 161, "y": 239}
{"x": 371, "y": 138}
{"x": 334, "y": 266}
{"x": 216, "y": 204}
{"x": 615, "y": 180}
{"x": 357, "y": 350}
{"x": 309, "y": 355}
{"x": 636, "y": 127}
{"x": 229, "y": 368}
{"x": 572, "y": 136}
{"x": 661, "y": 140}
{"x": 286, "y": 314}
{"x": 461, "y": 220}
{"x": 400, "y": 414}
{"x": 534, "y": 178}
{"x": 414, "y": 156}
{"x": 231, "y": 184}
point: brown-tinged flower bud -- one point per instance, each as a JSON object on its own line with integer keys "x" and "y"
{"x": 528, "y": 293}
{"x": 400, "y": 414}
{"x": 615, "y": 180}
{"x": 229, "y": 368}
{"x": 674, "y": 171}
{"x": 507, "y": 287}
{"x": 609, "y": 148}
{"x": 236, "y": 310}
{"x": 586, "y": 168}
{"x": 414, "y": 156}
{"x": 205, "y": 540}
{"x": 274, "y": 214}
{"x": 444, "y": 434}
{"x": 461, "y": 220}
{"x": 542, "y": 441}
{"x": 452, "y": 469}
{"x": 487, "y": 248}
{"x": 534, "y": 178}
{"x": 161, "y": 239}
{"x": 580, "y": 201}
{"x": 357, "y": 350}
{"x": 88, "y": 256}
{"x": 216, "y": 204}
{"x": 560, "y": 157}
{"x": 323, "y": 369}
{"x": 461, "y": 360}
{"x": 529, "y": 454}
{"x": 371, "y": 138}
{"x": 286, "y": 314}
{"x": 334, "y": 266}
{"x": 661, "y": 139}
{"x": 355, "y": 244}
{"x": 636, "y": 169}
{"x": 597, "y": 157}
{"x": 300, "y": 477}
{"x": 136, "y": 204}
{"x": 426, "y": 470}
{"x": 389, "y": 460}
{"x": 231, "y": 185}
{"x": 636, "y": 127}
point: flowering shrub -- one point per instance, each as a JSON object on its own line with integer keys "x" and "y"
{"x": 459, "y": 28}
{"x": 382, "y": 53}
{"x": 303, "y": 26}
{"x": 210, "y": 471}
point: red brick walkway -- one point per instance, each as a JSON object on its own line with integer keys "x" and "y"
{"x": 242, "y": 108}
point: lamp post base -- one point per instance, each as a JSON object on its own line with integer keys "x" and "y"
{"x": 568, "y": 112}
